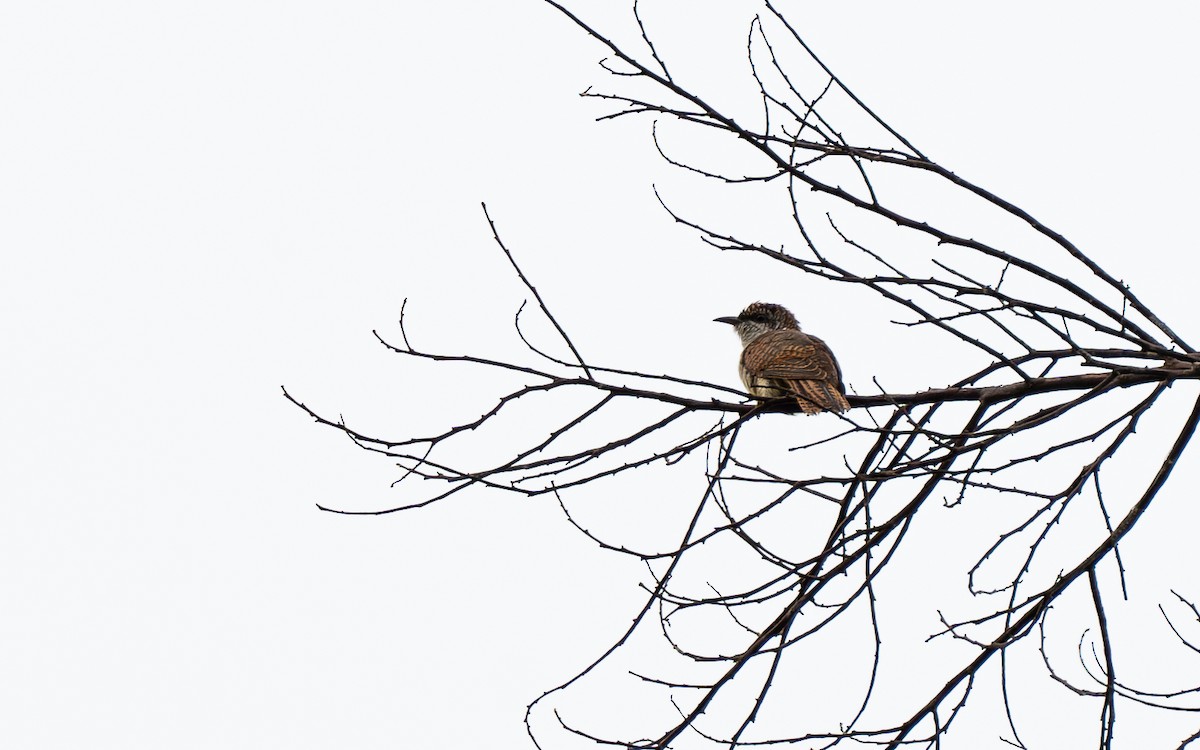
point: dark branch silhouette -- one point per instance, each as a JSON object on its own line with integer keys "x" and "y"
{"x": 1060, "y": 364}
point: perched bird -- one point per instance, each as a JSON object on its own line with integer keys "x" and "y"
{"x": 778, "y": 360}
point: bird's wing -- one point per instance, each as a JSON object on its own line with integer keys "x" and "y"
{"x": 791, "y": 355}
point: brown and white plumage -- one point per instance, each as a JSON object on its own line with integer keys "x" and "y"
{"x": 778, "y": 360}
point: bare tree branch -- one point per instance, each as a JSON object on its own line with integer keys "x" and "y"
{"x": 1051, "y": 365}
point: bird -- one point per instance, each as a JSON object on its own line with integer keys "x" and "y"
{"x": 779, "y": 360}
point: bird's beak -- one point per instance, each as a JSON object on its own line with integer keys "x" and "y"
{"x": 730, "y": 320}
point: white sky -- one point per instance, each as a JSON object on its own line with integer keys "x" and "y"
{"x": 204, "y": 201}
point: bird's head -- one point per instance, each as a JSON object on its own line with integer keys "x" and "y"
{"x": 759, "y": 318}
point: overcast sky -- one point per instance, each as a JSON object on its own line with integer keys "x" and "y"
{"x": 205, "y": 201}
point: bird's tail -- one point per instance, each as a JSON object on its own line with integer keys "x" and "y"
{"x": 816, "y": 396}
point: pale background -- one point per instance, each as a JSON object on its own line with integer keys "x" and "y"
{"x": 200, "y": 202}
